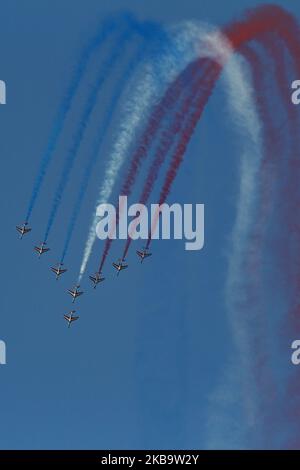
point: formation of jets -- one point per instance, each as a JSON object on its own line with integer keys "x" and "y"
{"x": 58, "y": 269}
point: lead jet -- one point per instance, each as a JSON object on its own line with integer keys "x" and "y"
{"x": 96, "y": 278}
{"x": 58, "y": 270}
{"x": 120, "y": 266}
{"x": 23, "y": 229}
{"x": 41, "y": 249}
{"x": 143, "y": 254}
{"x": 69, "y": 317}
{"x": 74, "y": 293}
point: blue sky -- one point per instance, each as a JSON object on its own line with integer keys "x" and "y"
{"x": 140, "y": 367}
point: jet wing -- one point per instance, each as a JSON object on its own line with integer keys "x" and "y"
{"x": 92, "y": 278}
{"x": 66, "y": 317}
{"x": 19, "y": 229}
{"x": 140, "y": 253}
{"x": 115, "y": 265}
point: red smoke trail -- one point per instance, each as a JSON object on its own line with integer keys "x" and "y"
{"x": 168, "y": 136}
{"x": 289, "y": 33}
{"x": 252, "y": 284}
{"x": 180, "y": 149}
{"x": 255, "y": 26}
{"x": 286, "y": 412}
{"x": 165, "y": 105}
{"x": 256, "y": 23}
{"x": 284, "y": 250}
{"x": 287, "y": 248}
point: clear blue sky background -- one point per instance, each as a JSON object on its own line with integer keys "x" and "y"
{"x": 139, "y": 368}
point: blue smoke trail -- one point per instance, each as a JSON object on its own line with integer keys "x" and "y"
{"x": 148, "y": 31}
{"x": 106, "y": 29}
{"x": 89, "y": 107}
{"x": 100, "y": 136}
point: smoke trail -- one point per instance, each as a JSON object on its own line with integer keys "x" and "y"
{"x": 207, "y": 83}
{"x": 168, "y": 136}
{"x": 286, "y": 28}
{"x": 132, "y": 116}
{"x": 246, "y": 205}
{"x": 144, "y": 143}
{"x": 165, "y": 105}
{"x": 103, "y": 74}
{"x": 135, "y": 109}
{"x": 246, "y": 118}
{"x": 106, "y": 29}
{"x": 156, "y": 74}
{"x": 129, "y": 70}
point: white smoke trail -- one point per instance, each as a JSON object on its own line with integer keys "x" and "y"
{"x": 211, "y": 43}
{"x": 132, "y": 115}
{"x": 245, "y": 118}
{"x": 152, "y": 80}
{"x": 191, "y": 40}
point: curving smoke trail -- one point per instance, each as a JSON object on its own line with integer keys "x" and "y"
{"x": 134, "y": 112}
{"x": 202, "y": 98}
{"x": 132, "y": 116}
{"x": 119, "y": 89}
{"x": 157, "y": 73}
{"x": 284, "y": 26}
{"x": 90, "y": 104}
{"x": 162, "y": 67}
{"x": 252, "y": 285}
{"x": 255, "y": 26}
{"x": 172, "y": 130}
{"x": 106, "y": 29}
{"x": 160, "y": 111}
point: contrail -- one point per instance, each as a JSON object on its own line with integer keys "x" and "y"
{"x": 201, "y": 99}
{"x": 257, "y": 24}
{"x": 155, "y": 73}
{"x": 106, "y": 29}
{"x": 250, "y": 166}
{"x": 169, "y": 134}
{"x": 160, "y": 111}
{"x": 90, "y": 104}
{"x": 269, "y": 19}
{"x": 119, "y": 89}
{"x": 246, "y": 120}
